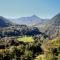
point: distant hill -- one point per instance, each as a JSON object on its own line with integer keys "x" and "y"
{"x": 4, "y": 22}
{"x": 30, "y": 21}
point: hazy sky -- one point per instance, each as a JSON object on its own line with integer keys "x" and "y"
{"x": 21, "y": 8}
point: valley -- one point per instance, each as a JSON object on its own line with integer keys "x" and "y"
{"x": 34, "y": 39}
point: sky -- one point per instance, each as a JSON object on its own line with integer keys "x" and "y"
{"x": 22, "y": 8}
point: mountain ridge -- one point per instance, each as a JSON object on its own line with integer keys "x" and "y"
{"x": 31, "y": 20}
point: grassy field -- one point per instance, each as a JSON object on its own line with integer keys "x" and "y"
{"x": 25, "y": 39}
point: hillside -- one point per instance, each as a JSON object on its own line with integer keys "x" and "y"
{"x": 20, "y": 30}
{"x": 52, "y": 26}
{"x": 5, "y": 22}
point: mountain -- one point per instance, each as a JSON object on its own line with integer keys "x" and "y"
{"x": 52, "y": 27}
{"x": 32, "y": 20}
{"x": 55, "y": 20}
{"x": 4, "y": 22}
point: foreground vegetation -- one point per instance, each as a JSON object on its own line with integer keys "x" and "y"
{"x": 39, "y": 49}
{"x": 51, "y": 50}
